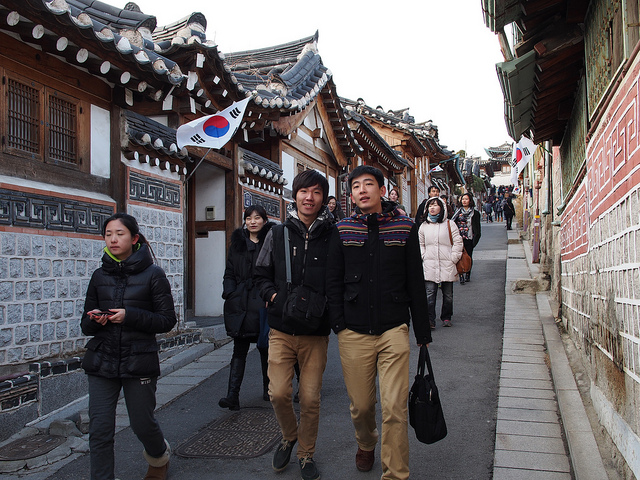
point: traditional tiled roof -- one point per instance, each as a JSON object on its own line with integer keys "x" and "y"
{"x": 367, "y": 135}
{"x": 503, "y": 152}
{"x": 285, "y": 76}
{"x": 423, "y": 135}
{"x": 251, "y": 162}
{"x": 152, "y": 135}
{"x": 117, "y": 44}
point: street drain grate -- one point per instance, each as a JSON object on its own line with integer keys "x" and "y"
{"x": 247, "y": 433}
{"x": 30, "y": 447}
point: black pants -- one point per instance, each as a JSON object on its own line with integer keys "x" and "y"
{"x": 509, "y": 219}
{"x": 140, "y": 398}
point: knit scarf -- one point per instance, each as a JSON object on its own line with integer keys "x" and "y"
{"x": 393, "y": 228}
{"x": 463, "y": 221}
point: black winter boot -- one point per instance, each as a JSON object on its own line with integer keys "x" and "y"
{"x": 462, "y": 279}
{"x": 467, "y": 277}
{"x": 264, "y": 359}
{"x": 236, "y": 373}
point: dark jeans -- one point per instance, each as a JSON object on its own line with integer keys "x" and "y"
{"x": 140, "y": 398}
{"x": 447, "y": 300}
{"x": 509, "y": 219}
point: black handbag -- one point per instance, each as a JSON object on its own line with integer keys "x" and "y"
{"x": 303, "y": 308}
{"x": 425, "y": 410}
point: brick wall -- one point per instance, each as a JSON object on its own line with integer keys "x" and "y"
{"x": 600, "y": 236}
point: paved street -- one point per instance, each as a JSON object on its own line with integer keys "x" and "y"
{"x": 466, "y": 360}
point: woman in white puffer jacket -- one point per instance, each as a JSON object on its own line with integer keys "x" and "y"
{"x": 441, "y": 248}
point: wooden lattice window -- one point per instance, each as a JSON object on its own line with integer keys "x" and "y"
{"x": 41, "y": 123}
{"x": 23, "y": 112}
{"x": 62, "y": 129}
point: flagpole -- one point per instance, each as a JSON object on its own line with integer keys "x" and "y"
{"x": 196, "y": 167}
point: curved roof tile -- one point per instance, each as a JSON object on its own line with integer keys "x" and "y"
{"x": 287, "y": 76}
{"x": 146, "y": 132}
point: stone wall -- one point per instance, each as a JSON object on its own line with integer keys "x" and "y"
{"x": 165, "y": 232}
{"x": 43, "y": 281}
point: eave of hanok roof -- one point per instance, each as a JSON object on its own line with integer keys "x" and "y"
{"x": 370, "y": 139}
{"x": 540, "y": 98}
{"x": 417, "y": 136}
{"x": 154, "y": 143}
{"x": 111, "y": 43}
{"x": 261, "y": 172}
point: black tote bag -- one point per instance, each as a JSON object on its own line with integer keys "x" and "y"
{"x": 425, "y": 410}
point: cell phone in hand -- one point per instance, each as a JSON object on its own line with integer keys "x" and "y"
{"x": 103, "y": 312}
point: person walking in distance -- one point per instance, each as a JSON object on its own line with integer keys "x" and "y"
{"x": 508, "y": 209}
{"x": 441, "y": 248}
{"x": 432, "y": 192}
{"x": 243, "y": 307}
{"x": 374, "y": 288}
{"x": 128, "y": 301}
{"x": 467, "y": 219}
{"x": 305, "y": 234}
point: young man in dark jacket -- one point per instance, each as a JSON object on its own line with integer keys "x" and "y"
{"x": 308, "y": 228}
{"x": 375, "y": 285}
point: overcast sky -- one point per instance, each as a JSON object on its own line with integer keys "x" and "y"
{"x": 435, "y": 57}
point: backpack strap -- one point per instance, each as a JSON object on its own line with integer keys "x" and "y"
{"x": 450, "y": 236}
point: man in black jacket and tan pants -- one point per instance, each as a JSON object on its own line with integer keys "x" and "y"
{"x": 375, "y": 285}
{"x": 308, "y": 227}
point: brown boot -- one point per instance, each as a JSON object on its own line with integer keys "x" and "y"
{"x": 158, "y": 466}
{"x": 157, "y": 473}
{"x": 364, "y": 460}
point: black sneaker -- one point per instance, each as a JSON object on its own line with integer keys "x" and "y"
{"x": 283, "y": 455}
{"x": 308, "y": 469}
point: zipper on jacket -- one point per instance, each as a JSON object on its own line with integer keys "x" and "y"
{"x": 304, "y": 254}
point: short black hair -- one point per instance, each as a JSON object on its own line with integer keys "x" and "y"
{"x": 472, "y": 202}
{"x": 366, "y": 170}
{"x": 259, "y": 209}
{"x": 433, "y": 187}
{"x": 310, "y": 178}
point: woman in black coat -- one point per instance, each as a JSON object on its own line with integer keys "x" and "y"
{"x": 244, "y": 310}
{"x": 467, "y": 219}
{"x": 128, "y": 301}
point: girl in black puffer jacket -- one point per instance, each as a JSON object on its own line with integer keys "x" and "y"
{"x": 128, "y": 301}
{"x": 244, "y": 310}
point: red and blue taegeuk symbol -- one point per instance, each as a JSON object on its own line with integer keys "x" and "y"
{"x": 518, "y": 154}
{"x": 216, "y": 126}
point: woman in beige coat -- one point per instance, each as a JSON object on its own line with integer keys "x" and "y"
{"x": 441, "y": 248}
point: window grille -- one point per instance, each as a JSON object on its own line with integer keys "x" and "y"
{"x": 62, "y": 130}
{"x": 23, "y": 108}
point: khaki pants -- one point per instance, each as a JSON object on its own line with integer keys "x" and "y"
{"x": 311, "y": 353}
{"x": 387, "y": 355}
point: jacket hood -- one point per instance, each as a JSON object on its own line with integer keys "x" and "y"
{"x": 443, "y": 209}
{"x": 137, "y": 262}
{"x": 324, "y": 219}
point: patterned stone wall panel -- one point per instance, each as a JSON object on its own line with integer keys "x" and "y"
{"x": 151, "y": 190}
{"x": 164, "y": 230}
{"x": 48, "y": 212}
{"x": 43, "y": 283}
{"x": 271, "y": 204}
